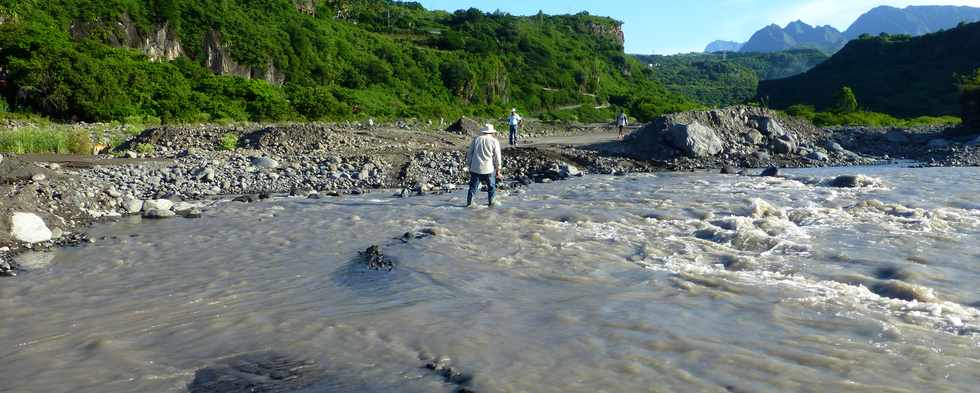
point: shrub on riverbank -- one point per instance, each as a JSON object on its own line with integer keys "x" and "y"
{"x": 865, "y": 118}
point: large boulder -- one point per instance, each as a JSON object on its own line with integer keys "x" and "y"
{"x": 464, "y": 126}
{"x": 158, "y": 204}
{"x": 29, "y": 228}
{"x": 785, "y": 144}
{"x": 695, "y": 140}
{"x": 772, "y": 128}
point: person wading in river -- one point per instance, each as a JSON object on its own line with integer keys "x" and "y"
{"x": 622, "y": 121}
{"x": 515, "y": 121}
{"x": 484, "y": 163}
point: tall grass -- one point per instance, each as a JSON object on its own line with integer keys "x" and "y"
{"x": 42, "y": 140}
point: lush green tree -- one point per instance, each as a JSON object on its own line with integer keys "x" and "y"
{"x": 846, "y": 101}
{"x": 970, "y": 99}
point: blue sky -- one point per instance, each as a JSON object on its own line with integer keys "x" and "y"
{"x": 672, "y": 26}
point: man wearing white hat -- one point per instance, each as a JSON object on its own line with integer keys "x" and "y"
{"x": 515, "y": 121}
{"x": 484, "y": 164}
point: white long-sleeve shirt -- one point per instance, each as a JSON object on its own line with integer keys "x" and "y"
{"x": 484, "y": 156}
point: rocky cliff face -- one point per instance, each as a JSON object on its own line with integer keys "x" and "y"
{"x": 217, "y": 58}
{"x": 159, "y": 44}
{"x": 614, "y": 32}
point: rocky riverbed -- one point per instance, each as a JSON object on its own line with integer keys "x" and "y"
{"x": 178, "y": 171}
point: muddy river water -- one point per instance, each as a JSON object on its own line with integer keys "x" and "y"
{"x": 646, "y": 283}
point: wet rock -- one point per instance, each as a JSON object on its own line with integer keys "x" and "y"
{"x": 695, "y": 140}
{"x": 853, "y": 181}
{"x": 158, "y": 204}
{"x": 374, "y": 259}
{"x": 893, "y": 273}
{"x": 257, "y": 373}
{"x": 729, "y": 170}
{"x": 754, "y": 137}
{"x": 895, "y": 289}
{"x": 132, "y": 205}
{"x": 29, "y": 228}
{"x": 245, "y": 199}
{"x": 158, "y": 213}
{"x": 193, "y": 213}
{"x": 770, "y": 172}
{"x": 569, "y": 170}
{"x": 450, "y": 374}
{"x": 39, "y": 177}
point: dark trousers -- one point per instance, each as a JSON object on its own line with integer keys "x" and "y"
{"x": 475, "y": 180}
{"x": 513, "y": 135}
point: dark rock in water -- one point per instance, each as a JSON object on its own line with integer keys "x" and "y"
{"x": 846, "y": 181}
{"x": 264, "y": 196}
{"x": 450, "y": 374}
{"x": 374, "y": 259}
{"x": 729, "y": 170}
{"x": 258, "y": 373}
{"x": 770, "y": 172}
{"x": 893, "y": 273}
{"x": 244, "y": 199}
{"x": 895, "y": 289}
{"x": 193, "y": 213}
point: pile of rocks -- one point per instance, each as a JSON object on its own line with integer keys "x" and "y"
{"x": 737, "y": 136}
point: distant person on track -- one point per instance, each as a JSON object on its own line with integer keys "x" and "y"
{"x": 622, "y": 121}
{"x": 484, "y": 161}
{"x": 515, "y": 122}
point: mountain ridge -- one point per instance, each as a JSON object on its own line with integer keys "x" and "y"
{"x": 900, "y": 75}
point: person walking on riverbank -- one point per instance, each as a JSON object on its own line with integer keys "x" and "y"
{"x": 515, "y": 121}
{"x": 484, "y": 162}
{"x": 622, "y": 121}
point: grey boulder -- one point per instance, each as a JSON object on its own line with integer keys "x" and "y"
{"x": 695, "y": 140}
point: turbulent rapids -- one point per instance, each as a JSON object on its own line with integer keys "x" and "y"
{"x": 665, "y": 282}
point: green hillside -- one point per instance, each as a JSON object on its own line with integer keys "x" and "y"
{"x": 898, "y": 75}
{"x": 722, "y": 79}
{"x": 197, "y": 60}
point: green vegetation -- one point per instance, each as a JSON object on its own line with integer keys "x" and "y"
{"x": 970, "y": 99}
{"x": 145, "y": 148}
{"x": 723, "y": 79}
{"x": 903, "y": 76}
{"x": 74, "y": 60}
{"x": 846, "y": 102}
{"x": 229, "y": 141}
{"x": 864, "y": 118}
{"x": 45, "y": 140}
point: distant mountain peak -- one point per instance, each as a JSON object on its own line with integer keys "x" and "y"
{"x": 911, "y": 20}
